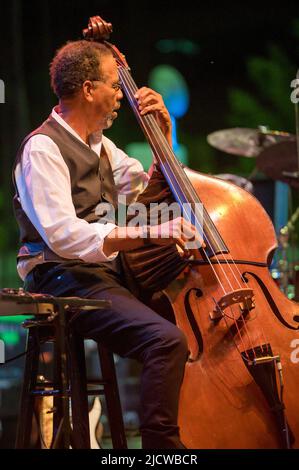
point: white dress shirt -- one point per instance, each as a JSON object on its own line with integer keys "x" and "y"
{"x": 44, "y": 187}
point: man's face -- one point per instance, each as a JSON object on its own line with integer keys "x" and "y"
{"x": 107, "y": 94}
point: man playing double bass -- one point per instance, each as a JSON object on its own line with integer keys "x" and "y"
{"x": 64, "y": 170}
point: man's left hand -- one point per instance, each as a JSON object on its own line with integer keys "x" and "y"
{"x": 149, "y": 101}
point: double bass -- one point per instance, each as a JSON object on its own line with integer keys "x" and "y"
{"x": 241, "y": 382}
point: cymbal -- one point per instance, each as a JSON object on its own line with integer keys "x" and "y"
{"x": 244, "y": 141}
{"x": 279, "y": 158}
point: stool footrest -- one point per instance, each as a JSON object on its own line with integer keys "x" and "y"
{"x": 48, "y": 393}
{"x": 57, "y": 393}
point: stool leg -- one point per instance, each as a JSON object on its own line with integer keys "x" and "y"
{"x": 26, "y": 410}
{"x": 62, "y": 434}
{"x": 58, "y": 438}
{"x": 78, "y": 387}
{"x": 115, "y": 416}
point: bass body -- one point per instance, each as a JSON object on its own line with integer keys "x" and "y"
{"x": 226, "y": 403}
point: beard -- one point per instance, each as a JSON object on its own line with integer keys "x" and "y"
{"x": 110, "y": 118}
{"x": 109, "y": 121}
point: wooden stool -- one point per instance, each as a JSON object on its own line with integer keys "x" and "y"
{"x": 71, "y": 385}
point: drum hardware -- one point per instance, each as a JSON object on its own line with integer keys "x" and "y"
{"x": 276, "y": 152}
{"x": 246, "y": 142}
{"x": 285, "y": 271}
{"x": 238, "y": 180}
{"x": 277, "y": 156}
{"x": 279, "y": 162}
{"x": 295, "y": 174}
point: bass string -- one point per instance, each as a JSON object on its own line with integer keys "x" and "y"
{"x": 144, "y": 121}
{"x": 131, "y": 90}
{"x": 151, "y": 123}
{"x": 162, "y": 139}
{"x": 148, "y": 121}
{"x": 164, "y": 146}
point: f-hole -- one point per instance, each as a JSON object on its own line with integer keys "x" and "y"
{"x": 192, "y": 320}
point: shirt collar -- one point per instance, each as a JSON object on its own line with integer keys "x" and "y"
{"x": 95, "y": 139}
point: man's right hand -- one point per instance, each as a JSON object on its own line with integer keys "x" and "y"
{"x": 177, "y": 231}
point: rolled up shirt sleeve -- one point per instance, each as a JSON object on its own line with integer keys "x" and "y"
{"x": 44, "y": 188}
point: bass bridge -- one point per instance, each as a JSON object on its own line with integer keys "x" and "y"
{"x": 243, "y": 297}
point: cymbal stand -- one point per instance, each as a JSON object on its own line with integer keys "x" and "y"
{"x": 284, "y": 239}
{"x": 295, "y": 174}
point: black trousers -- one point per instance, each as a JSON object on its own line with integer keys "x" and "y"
{"x": 130, "y": 329}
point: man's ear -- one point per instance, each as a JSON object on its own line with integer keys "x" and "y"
{"x": 87, "y": 89}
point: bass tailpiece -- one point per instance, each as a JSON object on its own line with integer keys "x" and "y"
{"x": 264, "y": 367}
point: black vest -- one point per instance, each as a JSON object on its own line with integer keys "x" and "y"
{"x": 91, "y": 178}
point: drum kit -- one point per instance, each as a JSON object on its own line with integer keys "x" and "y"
{"x": 277, "y": 156}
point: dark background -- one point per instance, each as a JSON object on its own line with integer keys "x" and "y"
{"x": 227, "y": 36}
{"x": 246, "y": 55}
